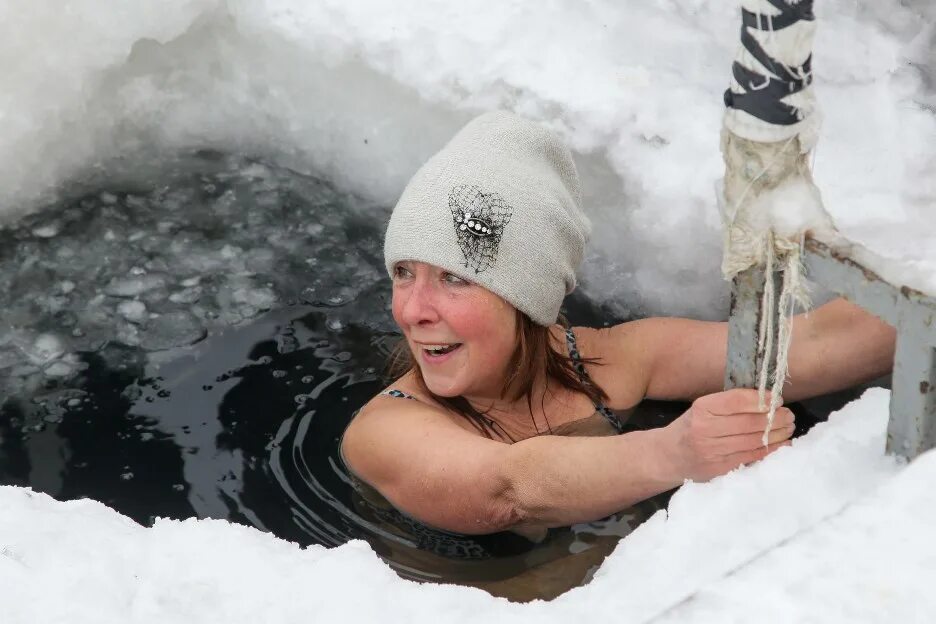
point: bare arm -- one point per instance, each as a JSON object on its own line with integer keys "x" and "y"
{"x": 451, "y": 478}
{"x": 836, "y": 346}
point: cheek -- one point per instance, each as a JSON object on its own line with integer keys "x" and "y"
{"x": 489, "y": 327}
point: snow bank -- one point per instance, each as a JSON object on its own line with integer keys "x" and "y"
{"x": 829, "y": 528}
{"x": 364, "y": 91}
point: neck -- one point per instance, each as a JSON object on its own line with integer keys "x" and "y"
{"x": 514, "y": 404}
{"x": 515, "y": 411}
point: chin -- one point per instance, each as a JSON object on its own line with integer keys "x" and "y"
{"x": 446, "y": 388}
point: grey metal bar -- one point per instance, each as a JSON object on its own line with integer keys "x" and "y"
{"x": 834, "y": 269}
{"x": 742, "y": 363}
{"x": 911, "y": 429}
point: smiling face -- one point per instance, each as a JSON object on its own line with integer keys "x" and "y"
{"x": 461, "y": 335}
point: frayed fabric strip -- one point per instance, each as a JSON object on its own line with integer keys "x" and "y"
{"x": 769, "y": 198}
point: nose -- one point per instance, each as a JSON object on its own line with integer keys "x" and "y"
{"x": 418, "y": 306}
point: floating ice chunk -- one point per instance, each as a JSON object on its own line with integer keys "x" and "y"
{"x": 134, "y": 201}
{"x": 48, "y": 230}
{"x": 53, "y": 305}
{"x": 135, "y": 285}
{"x": 248, "y": 312}
{"x": 128, "y": 334}
{"x": 173, "y": 329}
{"x": 59, "y": 369}
{"x": 229, "y": 252}
{"x": 260, "y": 260}
{"x": 134, "y": 311}
{"x": 108, "y": 198}
{"x": 260, "y": 298}
{"x": 24, "y": 370}
{"x": 187, "y": 295}
{"x": 46, "y": 348}
{"x": 157, "y": 264}
{"x": 257, "y": 171}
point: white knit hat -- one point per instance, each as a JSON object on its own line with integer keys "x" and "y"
{"x": 500, "y": 205}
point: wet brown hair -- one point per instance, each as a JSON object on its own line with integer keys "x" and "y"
{"x": 533, "y": 355}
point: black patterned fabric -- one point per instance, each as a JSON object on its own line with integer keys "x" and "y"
{"x": 479, "y": 219}
{"x": 398, "y": 394}
{"x": 763, "y": 96}
{"x": 579, "y": 367}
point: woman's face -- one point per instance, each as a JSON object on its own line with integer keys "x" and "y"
{"x": 461, "y": 334}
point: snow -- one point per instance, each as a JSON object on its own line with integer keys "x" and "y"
{"x": 829, "y": 529}
{"x": 362, "y": 93}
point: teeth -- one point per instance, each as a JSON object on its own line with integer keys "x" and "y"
{"x": 437, "y": 349}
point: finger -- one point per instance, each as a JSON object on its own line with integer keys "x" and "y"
{"x": 734, "y": 401}
{"x": 730, "y": 445}
{"x": 749, "y": 457}
{"x": 735, "y": 424}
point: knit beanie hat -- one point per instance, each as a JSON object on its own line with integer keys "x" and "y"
{"x": 500, "y": 205}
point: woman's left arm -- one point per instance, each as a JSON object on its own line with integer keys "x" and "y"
{"x": 835, "y": 346}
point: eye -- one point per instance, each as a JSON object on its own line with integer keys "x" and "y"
{"x": 452, "y": 279}
{"x": 400, "y": 271}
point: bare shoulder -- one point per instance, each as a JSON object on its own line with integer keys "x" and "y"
{"x": 657, "y": 358}
{"x": 620, "y": 361}
{"x": 389, "y": 430}
{"x": 678, "y": 358}
{"x": 416, "y": 455}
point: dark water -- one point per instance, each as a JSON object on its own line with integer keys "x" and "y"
{"x": 244, "y": 424}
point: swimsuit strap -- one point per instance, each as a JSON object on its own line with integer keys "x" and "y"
{"x": 579, "y": 367}
{"x": 398, "y": 394}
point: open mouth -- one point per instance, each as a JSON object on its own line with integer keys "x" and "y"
{"x": 437, "y": 350}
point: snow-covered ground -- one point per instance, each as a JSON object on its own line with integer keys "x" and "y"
{"x": 827, "y": 530}
{"x": 362, "y": 92}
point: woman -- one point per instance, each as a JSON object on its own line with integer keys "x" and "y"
{"x": 505, "y": 419}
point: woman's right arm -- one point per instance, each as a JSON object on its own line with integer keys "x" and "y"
{"x": 448, "y": 477}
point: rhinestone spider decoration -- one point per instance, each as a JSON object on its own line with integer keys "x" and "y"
{"x": 479, "y": 220}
